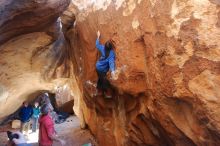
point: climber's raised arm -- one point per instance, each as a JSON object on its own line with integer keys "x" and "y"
{"x": 99, "y": 46}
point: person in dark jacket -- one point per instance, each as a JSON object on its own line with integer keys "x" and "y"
{"x": 25, "y": 116}
{"x": 105, "y": 63}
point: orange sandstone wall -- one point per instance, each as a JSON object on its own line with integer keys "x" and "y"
{"x": 168, "y": 55}
{"x": 32, "y": 51}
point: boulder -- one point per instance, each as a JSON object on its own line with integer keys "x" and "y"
{"x": 167, "y": 56}
{"x": 32, "y": 51}
{"x": 16, "y": 124}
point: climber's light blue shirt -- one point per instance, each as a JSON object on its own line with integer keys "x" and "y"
{"x": 104, "y": 64}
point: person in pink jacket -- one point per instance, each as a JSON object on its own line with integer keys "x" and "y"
{"x": 47, "y": 132}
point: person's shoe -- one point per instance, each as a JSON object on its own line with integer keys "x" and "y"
{"x": 108, "y": 94}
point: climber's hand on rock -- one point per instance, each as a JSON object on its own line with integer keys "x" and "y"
{"x": 98, "y": 34}
{"x": 21, "y": 139}
{"x": 114, "y": 75}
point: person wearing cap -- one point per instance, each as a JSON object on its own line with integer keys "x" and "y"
{"x": 47, "y": 132}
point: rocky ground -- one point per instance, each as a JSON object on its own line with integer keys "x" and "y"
{"x": 70, "y": 131}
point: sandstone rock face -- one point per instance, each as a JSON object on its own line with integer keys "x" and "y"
{"x": 167, "y": 54}
{"x": 35, "y": 57}
{"x": 167, "y": 51}
{"x": 25, "y": 16}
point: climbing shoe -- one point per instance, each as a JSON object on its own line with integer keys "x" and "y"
{"x": 98, "y": 92}
{"x": 108, "y": 94}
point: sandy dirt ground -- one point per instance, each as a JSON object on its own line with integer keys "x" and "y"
{"x": 69, "y": 131}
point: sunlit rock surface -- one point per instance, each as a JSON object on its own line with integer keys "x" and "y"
{"x": 33, "y": 52}
{"x": 25, "y": 16}
{"x": 167, "y": 54}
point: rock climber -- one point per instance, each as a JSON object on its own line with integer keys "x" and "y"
{"x": 105, "y": 63}
{"x": 25, "y": 116}
{"x": 47, "y": 132}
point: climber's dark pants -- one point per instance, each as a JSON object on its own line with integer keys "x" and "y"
{"x": 103, "y": 84}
